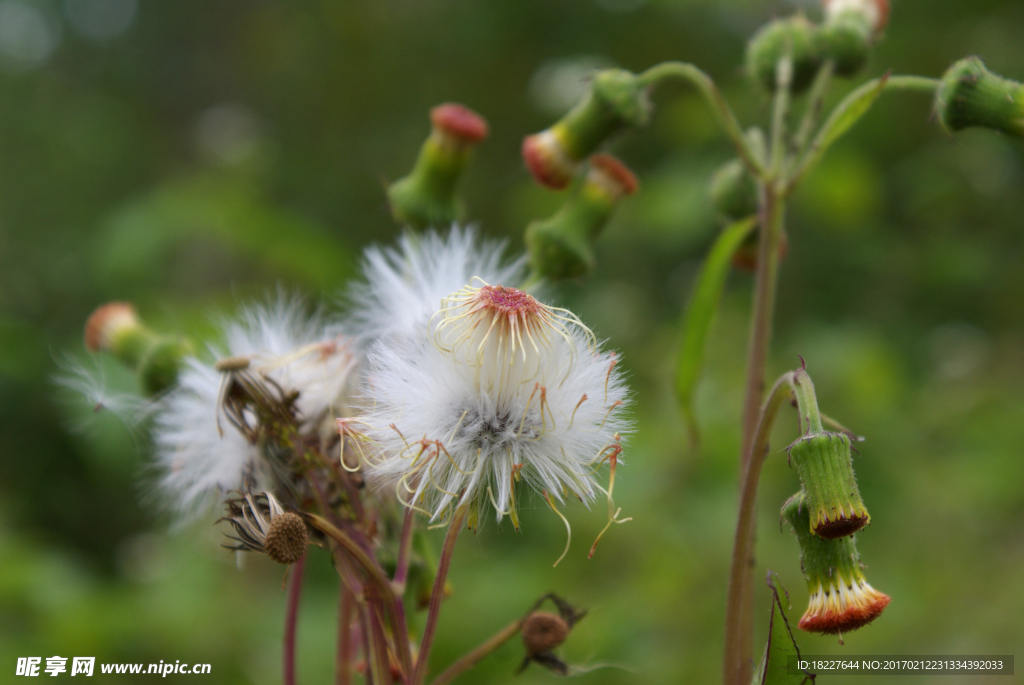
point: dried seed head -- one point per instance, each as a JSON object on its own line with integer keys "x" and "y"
{"x": 876, "y": 12}
{"x": 287, "y": 538}
{"x": 543, "y": 632}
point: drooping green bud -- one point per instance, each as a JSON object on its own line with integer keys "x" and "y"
{"x": 616, "y": 100}
{"x": 116, "y": 328}
{"x": 971, "y": 95}
{"x": 426, "y": 197}
{"x": 733, "y": 191}
{"x": 793, "y": 36}
{"x": 562, "y": 246}
{"x": 850, "y": 29}
{"x": 825, "y": 466}
{"x": 841, "y": 599}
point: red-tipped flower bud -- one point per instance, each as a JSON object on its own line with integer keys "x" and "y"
{"x": 841, "y": 599}
{"x": 971, "y": 95}
{"x": 116, "y": 328}
{"x": 616, "y": 100}
{"x": 426, "y": 197}
{"x": 562, "y": 246}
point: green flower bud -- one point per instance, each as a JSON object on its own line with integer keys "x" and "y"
{"x": 971, "y": 95}
{"x": 841, "y": 599}
{"x": 562, "y": 246}
{"x": 733, "y": 191}
{"x": 116, "y": 328}
{"x": 426, "y": 197}
{"x": 794, "y": 36}
{"x": 616, "y": 101}
{"x": 847, "y": 42}
{"x": 825, "y": 466}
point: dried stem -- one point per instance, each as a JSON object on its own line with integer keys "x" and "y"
{"x": 437, "y": 594}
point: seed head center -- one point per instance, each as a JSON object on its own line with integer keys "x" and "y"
{"x": 509, "y": 302}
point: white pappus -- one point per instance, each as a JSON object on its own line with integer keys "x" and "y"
{"x": 498, "y": 389}
{"x": 280, "y": 370}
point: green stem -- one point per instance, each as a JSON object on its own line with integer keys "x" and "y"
{"x": 471, "y": 659}
{"x": 815, "y": 103}
{"x": 780, "y": 111}
{"x": 807, "y": 403}
{"x": 821, "y": 141}
{"x": 723, "y": 113}
{"x": 738, "y": 628}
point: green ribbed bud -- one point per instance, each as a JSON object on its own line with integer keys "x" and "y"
{"x": 841, "y": 599}
{"x": 116, "y": 328}
{"x": 824, "y": 463}
{"x": 971, "y": 95}
{"x": 793, "y": 36}
{"x": 733, "y": 191}
{"x": 562, "y": 246}
{"x": 616, "y": 100}
{"x": 427, "y": 196}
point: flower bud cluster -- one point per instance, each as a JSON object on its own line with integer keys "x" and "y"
{"x": 156, "y": 359}
{"x": 845, "y": 37}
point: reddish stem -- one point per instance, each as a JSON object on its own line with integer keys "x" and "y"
{"x": 437, "y": 594}
{"x": 343, "y": 660}
{"x": 291, "y": 618}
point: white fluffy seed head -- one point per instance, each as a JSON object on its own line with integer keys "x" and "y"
{"x": 499, "y": 389}
{"x": 405, "y": 285}
{"x": 201, "y": 456}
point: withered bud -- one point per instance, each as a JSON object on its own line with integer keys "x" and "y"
{"x": 543, "y": 632}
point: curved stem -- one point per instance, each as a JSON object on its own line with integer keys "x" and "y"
{"x": 291, "y": 616}
{"x": 726, "y": 119}
{"x": 471, "y": 659}
{"x": 737, "y": 624}
{"x": 437, "y": 594}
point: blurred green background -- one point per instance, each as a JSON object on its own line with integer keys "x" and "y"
{"x": 190, "y": 156}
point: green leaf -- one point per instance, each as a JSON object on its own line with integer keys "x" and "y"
{"x": 843, "y": 117}
{"x": 774, "y": 668}
{"x": 707, "y": 295}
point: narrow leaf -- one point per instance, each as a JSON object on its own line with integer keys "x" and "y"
{"x": 781, "y": 648}
{"x": 843, "y": 117}
{"x": 707, "y": 295}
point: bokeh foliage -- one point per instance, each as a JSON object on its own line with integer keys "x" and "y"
{"x": 206, "y": 152}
